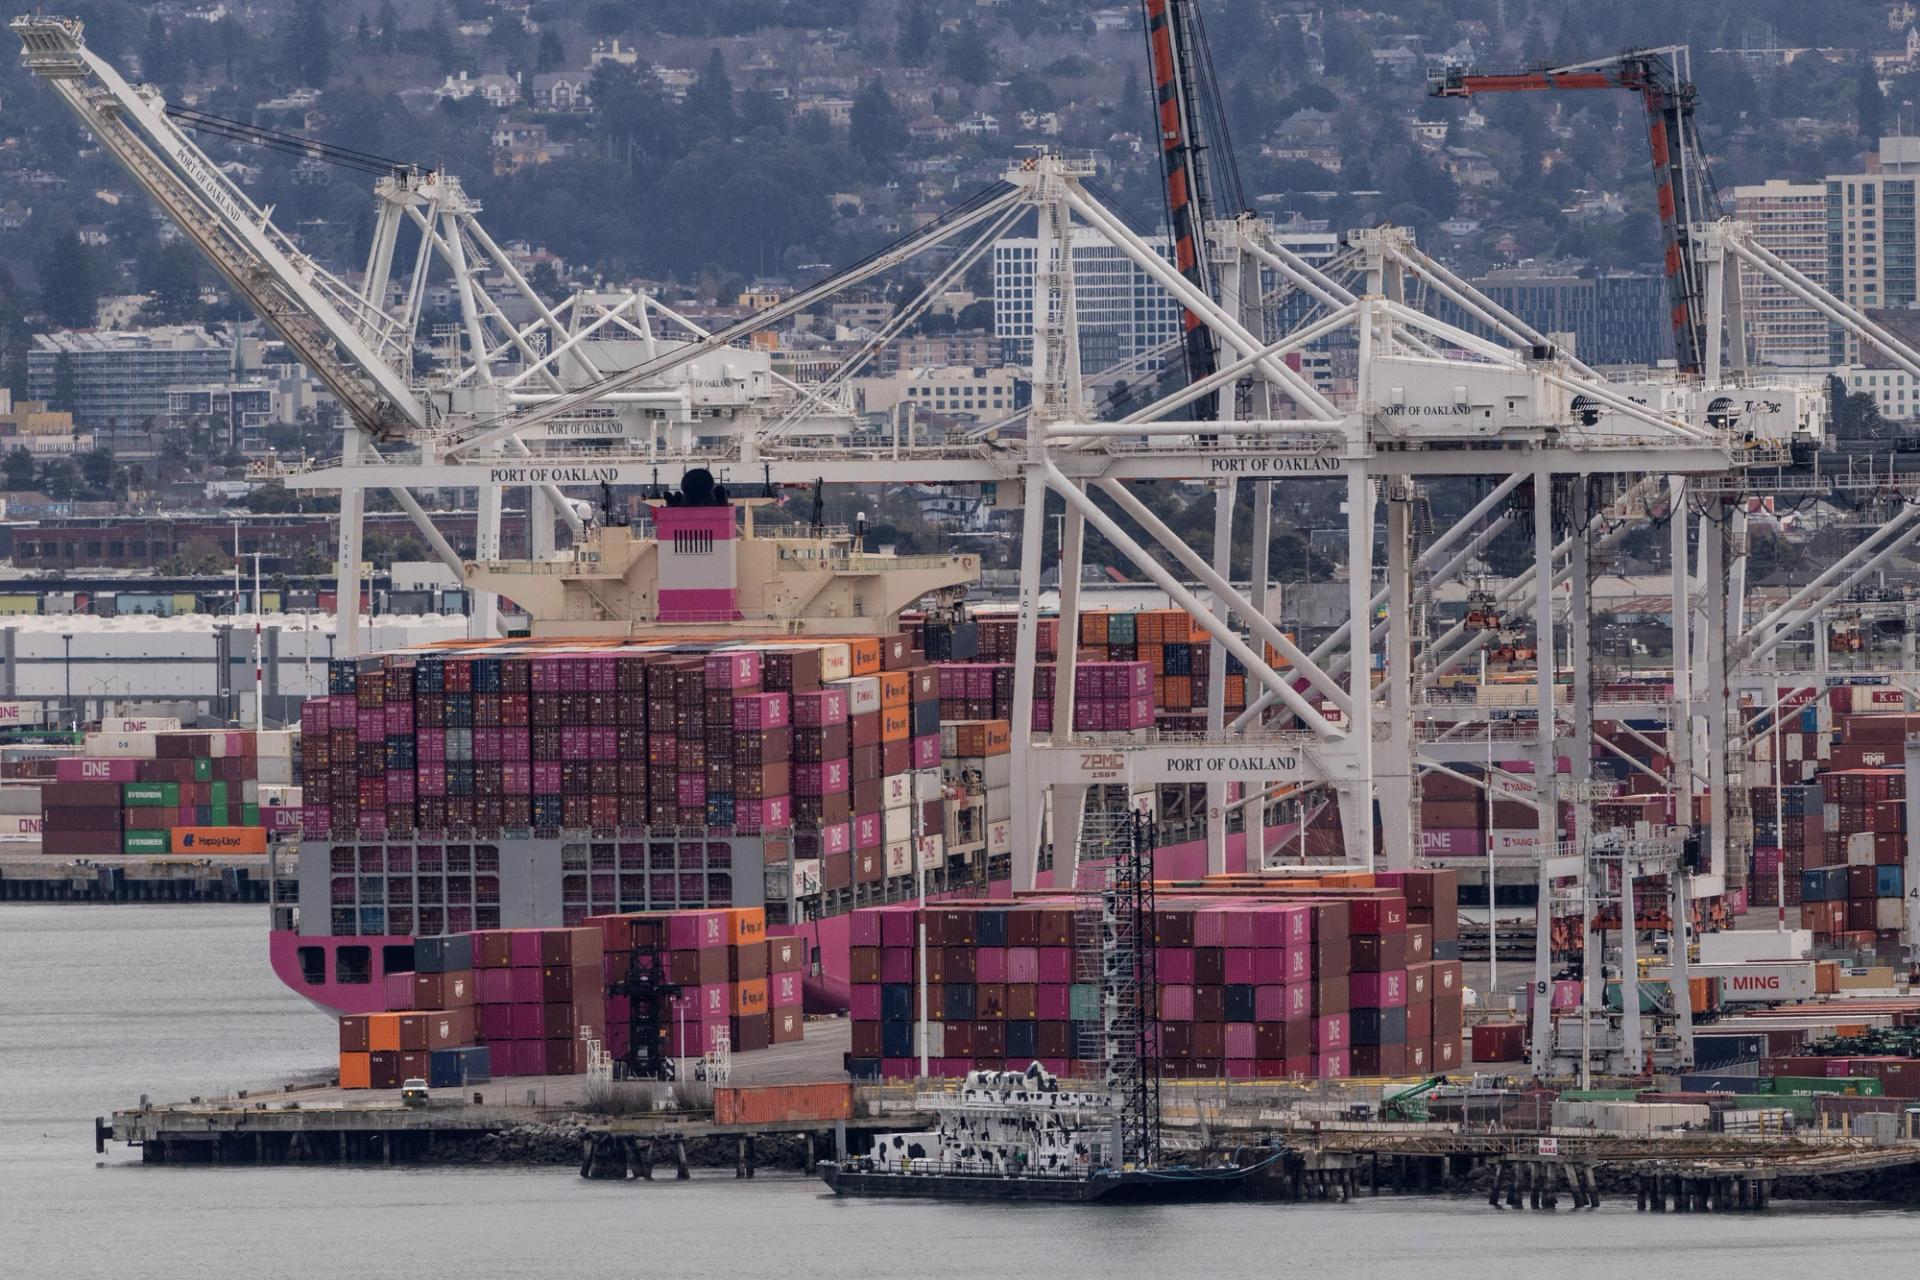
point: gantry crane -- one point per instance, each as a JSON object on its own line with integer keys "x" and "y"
{"x": 1683, "y": 188}
{"x": 1199, "y": 185}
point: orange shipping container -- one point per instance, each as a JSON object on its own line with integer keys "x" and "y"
{"x": 746, "y": 925}
{"x": 983, "y": 737}
{"x": 383, "y": 1032}
{"x": 865, "y": 654}
{"x": 779, "y": 1103}
{"x": 896, "y": 688}
{"x": 1093, "y": 628}
{"x": 219, "y": 840}
{"x": 896, "y": 724}
{"x": 356, "y": 1071}
{"x": 750, "y": 998}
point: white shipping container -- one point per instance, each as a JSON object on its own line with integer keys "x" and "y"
{"x": 17, "y": 713}
{"x": 20, "y": 824}
{"x": 897, "y": 823}
{"x": 20, "y": 798}
{"x": 1860, "y": 849}
{"x": 806, "y": 877}
{"x": 121, "y": 746}
{"x": 933, "y": 851}
{"x": 1888, "y": 913}
{"x": 896, "y": 789}
{"x": 139, "y": 724}
{"x": 1737, "y": 946}
{"x": 277, "y": 743}
{"x": 836, "y": 662}
{"x": 999, "y": 803}
{"x": 1761, "y": 982}
{"x": 274, "y": 795}
{"x": 277, "y": 770}
{"x": 863, "y": 695}
{"x": 899, "y": 857}
{"x": 1000, "y": 837}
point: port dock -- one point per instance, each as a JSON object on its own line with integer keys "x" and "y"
{"x": 27, "y": 875}
{"x": 1544, "y": 1169}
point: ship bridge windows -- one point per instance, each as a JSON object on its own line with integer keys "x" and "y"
{"x": 353, "y": 966}
{"x": 313, "y": 965}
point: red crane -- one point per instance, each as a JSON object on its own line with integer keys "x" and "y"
{"x": 1199, "y": 185}
{"x": 1684, "y": 192}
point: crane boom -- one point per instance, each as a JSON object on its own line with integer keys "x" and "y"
{"x": 1683, "y": 188}
{"x": 295, "y": 297}
{"x": 1176, "y": 56}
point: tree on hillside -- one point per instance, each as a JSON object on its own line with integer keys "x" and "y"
{"x": 710, "y": 99}
{"x": 968, "y": 55}
{"x": 552, "y": 55}
{"x": 1869, "y": 104}
{"x": 307, "y": 45}
{"x": 71, "y": 289}
{"x": 917, "y": 30}
{"x": 162, "y": 60}
{"x": 388, "y": 22}
{"x": 876, "y": 130}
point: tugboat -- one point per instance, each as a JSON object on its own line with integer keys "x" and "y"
{"x": 1017, "y": 1135}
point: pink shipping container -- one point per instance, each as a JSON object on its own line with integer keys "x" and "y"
{"x": 399, "y": 991}
{"x": 529, "y": 1021}
{"x": 524, "y": 948}
{"x": 1056, "y": 964}
{"x": 523, "y": 984}
{"x": 774, "y": 813}
{"x": 865, "y": 928}
{"x": 734, "y": 669}
{"x": 496, "y": 1020}
{"x": 863, "y": 1001}
{"x": 1239, "y": 1040}
{"x": 897, "y": 965}
{"x": 78, "y": 769}
{"x": 1023, "y": 965}
{"x": 1053, "y": 1002}
{"x": 836, "y": 838}
{"x": 1176, "y": 1003}
{"x": 897, "y": 927}
{"x": 1386, "y": 990}
{"x": 990, "y": 964}
{"x": 819, "y": 708}
{"x": 926, "y": 751}
{"x": 761, "y": 711}
{"x": 494, "y": 986}
{"x": 786, "y": 990}
{"x": 1335, "y": 1065}
{"x": 1461, "y": 842}
{"x": 1331, "y": 1032}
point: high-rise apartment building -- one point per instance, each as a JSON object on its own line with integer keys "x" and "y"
{"x": 1789, "y": 219}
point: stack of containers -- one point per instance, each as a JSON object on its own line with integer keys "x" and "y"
{"x": 1108, "y": 696}
{"x": 184, "y": 792}
{"x": 731, "y": 977}
{"x": 976, "y": 766}
{"x": 748, "y": 739}
{"x": 431, "y": 1030}
{"x": 1853, "y": 897}
{"x": 1257, "y": 978}
{"x": 539, "y": 992}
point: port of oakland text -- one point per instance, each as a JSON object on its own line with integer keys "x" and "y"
{"x": 1270, "y": 466}
{"x": 553, "y": 475}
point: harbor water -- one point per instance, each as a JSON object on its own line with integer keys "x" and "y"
{"x": 100, "y": 1004}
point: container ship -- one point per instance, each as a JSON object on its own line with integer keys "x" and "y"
{"x": 705, "y": 712}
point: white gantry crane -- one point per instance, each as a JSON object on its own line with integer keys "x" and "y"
{"x": 614, "y": 389}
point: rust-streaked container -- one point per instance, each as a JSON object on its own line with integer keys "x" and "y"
{"x": 775, "y": 1104}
